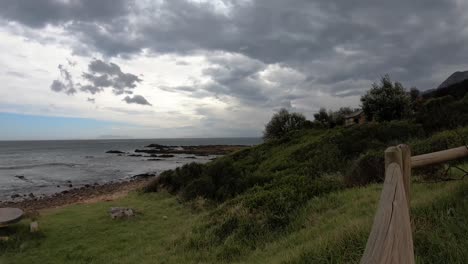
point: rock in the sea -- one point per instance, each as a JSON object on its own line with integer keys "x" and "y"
{"x": 135, "y": 155}
{"x": 115, "y": 152}
{"x": 31, "y": 195}
{"x": 121, "y": 212}
{"x": 21, "y": 177}
{"x": 154, "y": 159}
{"x": 15, "y": 196}
{"x": 192, "y": 157}
{"x": 143, "y": 176}
{"x": 158, "y": 146}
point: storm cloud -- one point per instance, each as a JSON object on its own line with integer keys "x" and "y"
{"x": 331, "y": 42}
{"x": 258, "y": 55}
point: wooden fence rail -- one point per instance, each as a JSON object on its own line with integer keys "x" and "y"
{"x": 391, "y": 239}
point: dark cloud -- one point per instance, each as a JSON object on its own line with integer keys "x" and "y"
{"x": 39, "y": 13}
{"x": 102, "y": 75}
{"x": 340, "y": 46}
{"x": 57, "y": 86}
{"x": 67, "y": 85}
{"x": 136, "y": 99}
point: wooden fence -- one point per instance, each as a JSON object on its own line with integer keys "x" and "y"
{"x": 391, "y": 239}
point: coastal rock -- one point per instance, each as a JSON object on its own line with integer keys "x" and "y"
{"x": 115, "y": 152}
{"x": 15, "y": 196}
{"x": 21, "y": 177}
{"x": 158, "y": 146}
{"x": 143, "y": 176}
{"x": 121, "y": 212}
{"x": 135, "y": 155}
{"x": 154, "y": 159}
{"x": 192, "y": 157}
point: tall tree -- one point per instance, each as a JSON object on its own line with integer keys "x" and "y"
{"x": 386, "y": 101}
{"x": 283, "y": 122}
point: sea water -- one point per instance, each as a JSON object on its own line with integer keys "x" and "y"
{"x": 46, "y": 167}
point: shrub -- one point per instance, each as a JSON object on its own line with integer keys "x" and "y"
{"x": 443, "y": 113}
{"x": 369, "y": 168}
{"x": 283, "y": 122}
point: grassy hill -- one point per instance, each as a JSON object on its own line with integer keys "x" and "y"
{"x": 307, "y": 198}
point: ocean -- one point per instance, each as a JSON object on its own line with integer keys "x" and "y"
{"x": 47, "y": 167}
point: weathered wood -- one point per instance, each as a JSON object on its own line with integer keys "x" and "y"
{"x": 406, "y": 170}
{"x": 393, "y": 155}
{"x": 439, "y": 157}
{"x": 391, "y": 240}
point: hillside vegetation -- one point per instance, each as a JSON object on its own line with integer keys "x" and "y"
{"x": 256, "y": 195}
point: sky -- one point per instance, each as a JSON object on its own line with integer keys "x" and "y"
{"x": 210, "y": 68}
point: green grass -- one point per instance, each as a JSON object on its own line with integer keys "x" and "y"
{"x": 86, "y": 233}
{"x": 329, "y": 229}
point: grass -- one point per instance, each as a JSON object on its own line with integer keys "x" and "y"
{"x": 86, "y": 233}
{"x": 332, "y": 228}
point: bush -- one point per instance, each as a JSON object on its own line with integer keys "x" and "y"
{"x": 283, "y": 122}
{"x": 369, "y": 168}
{"x": 443, "y": 113}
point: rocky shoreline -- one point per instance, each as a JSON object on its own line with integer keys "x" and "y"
{"x": 85, "y": 194}
{"x": 169, "y": 151}
{"x": 113, "y": 190}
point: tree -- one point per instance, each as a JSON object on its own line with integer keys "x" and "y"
{"x": 385, "y": 102}
{"x": 283, "y": 122}
{"x": 332, "y": 118}
{"x": 322, "y": 117}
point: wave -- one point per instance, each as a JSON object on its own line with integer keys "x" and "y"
{"x": 56, "y": 164}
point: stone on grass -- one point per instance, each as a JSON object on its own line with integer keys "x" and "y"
{"x": 121, "y": 212}
{"x": 34, "y": 227}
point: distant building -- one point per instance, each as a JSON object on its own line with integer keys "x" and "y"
{"x": 356, "y": 118}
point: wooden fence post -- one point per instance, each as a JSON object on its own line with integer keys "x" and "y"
{"x": 406, "y": 171}
{"x": 393, "y": 155}
{"x": 390, "y": 240}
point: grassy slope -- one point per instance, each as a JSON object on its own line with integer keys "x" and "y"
{"x": 329, "y": 229}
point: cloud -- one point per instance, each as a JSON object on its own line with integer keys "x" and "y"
{"x": 39, "y": 13}
{"x": 102, "y": 75}
{"x": 251, "y": 54}
{"x": 91, "y": 100}
{"x": 136, "y": 99}
{"x": 331, "y": 42}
